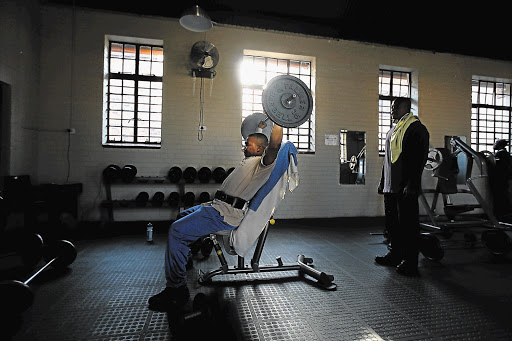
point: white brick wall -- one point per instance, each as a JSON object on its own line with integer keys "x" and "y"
{"x": 346, "y": 98}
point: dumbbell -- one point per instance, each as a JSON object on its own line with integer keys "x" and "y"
{"x": 204, "y": 175}
{"x": 158, "y": 199}
{"x": 128, "y": 173}
{"x": 204, "y": 197}
{"x": 17, "y": 296}
{"x": 174, "y": 199}
{"x": 190, "y": 175}
{"x": 175, "y": 174}
{"x": 206, "y": 246}
{"x": 203, "y": 244}
{"x": 219, "y": 174}
{"x": 189, "y": 198}
{"x": 201, "y": 310}
{"x": 142, "y": 199}
{"x": 111, "y": 173}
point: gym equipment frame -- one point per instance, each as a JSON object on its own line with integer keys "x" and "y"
{"x": 302, "y": 265}
{"x": 494, "y": 237}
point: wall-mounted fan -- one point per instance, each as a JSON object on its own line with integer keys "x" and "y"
{"x": 203, "y": 59}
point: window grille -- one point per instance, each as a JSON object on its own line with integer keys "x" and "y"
{"x": 256, "y": 72}
{"x": 134, "y": 95}
{"x": 392, "y": 84}
{"x": 490, "y": 113}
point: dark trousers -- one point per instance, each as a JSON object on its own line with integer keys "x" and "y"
{"x": 402, "y": 225}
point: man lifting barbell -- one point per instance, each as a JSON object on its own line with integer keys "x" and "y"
{"x": 225, "y": 212}
{"x": 287, "y": 102}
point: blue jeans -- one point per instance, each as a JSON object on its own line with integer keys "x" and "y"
{"x": 197, "y": 221}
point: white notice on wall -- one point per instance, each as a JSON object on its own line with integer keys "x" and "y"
{"x": 331, "y": 140}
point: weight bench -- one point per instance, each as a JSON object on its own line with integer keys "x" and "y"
{"x": 255, "y": 226}
{"x": 302, "y": 265}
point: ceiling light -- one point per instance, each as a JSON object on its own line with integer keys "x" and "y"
{"x": 196, "y": 20}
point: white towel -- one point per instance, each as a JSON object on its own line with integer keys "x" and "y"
{"x": 243, "y": 237}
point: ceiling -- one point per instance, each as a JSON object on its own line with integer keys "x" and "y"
{"x": 479, "y": 29}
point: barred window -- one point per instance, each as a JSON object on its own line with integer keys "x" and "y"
{"x": 392, "y": 84}
{"x": 256, "y": 72}
{"x": 490, "y": 113}
{"x": 133, "y": 114}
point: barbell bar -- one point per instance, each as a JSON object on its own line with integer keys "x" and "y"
{"x": 17, "y": 296}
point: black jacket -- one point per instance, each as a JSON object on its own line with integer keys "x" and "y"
{"x": 407, "y": 170}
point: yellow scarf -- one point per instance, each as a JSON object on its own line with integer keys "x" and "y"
{"x": 398, "y": 135}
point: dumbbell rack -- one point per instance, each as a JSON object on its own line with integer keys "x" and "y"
{"x": 111, "y": 203}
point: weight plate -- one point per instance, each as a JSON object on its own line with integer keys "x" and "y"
{"x": 251, "y": 123}
{"x": 63, "y": 250}
{"x": 31, "y": 249}
{"x": 497, "y": 242}
{"x": 16, "y": 297}
{"x": 434, "y": 159}
{"x": 287, "y": 101}
{"x": 430, "y": 247}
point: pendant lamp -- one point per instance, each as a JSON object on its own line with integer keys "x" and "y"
{"x": 196, "y": 20}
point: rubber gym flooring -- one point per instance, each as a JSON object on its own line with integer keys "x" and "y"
{"x": 465, "y": 296}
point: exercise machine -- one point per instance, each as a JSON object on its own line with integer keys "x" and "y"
{"x": 455, "y": 178}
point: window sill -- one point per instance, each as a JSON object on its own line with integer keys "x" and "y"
{"x": 132, "y": 145}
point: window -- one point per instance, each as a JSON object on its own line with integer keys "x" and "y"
{"x": 490, "y": 113}
{"x": 133, "y": 109}
{"x": 392, "y": 84}
{"x": 257, "y": 70}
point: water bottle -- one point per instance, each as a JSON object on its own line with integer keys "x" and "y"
{"x": 149, "y": 233}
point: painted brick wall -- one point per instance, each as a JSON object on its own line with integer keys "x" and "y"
{"x": 346, "y": 97}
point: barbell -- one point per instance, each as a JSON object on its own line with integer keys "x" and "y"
{"x": 287, "y": 102}
{"x": 17, "y": 296}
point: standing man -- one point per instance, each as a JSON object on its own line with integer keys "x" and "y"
{"x": 499, "y": 179}
{"x": 407, "y": 144}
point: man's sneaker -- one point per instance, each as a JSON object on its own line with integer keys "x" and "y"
{"x": 388, "y": 260}
{"x": 169, "y": 298}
